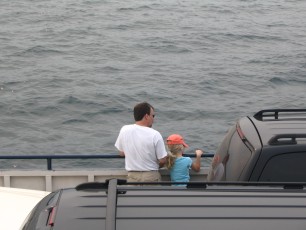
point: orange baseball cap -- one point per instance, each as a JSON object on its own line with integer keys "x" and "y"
{"x": 176, "y": 139}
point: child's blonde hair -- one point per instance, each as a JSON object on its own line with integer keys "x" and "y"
{"x": 172, "y": 154}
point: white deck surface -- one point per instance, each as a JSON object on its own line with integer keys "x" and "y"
{"x": 16, "y": 204}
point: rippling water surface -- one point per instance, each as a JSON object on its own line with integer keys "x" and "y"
{"x": 72, "y": 70}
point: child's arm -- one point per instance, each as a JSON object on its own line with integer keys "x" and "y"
{"x": 196, "y": 165}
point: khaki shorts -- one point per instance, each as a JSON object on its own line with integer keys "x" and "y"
{"x": 143, "y": 176}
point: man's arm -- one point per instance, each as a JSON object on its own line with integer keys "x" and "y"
{"x": 121, "y": 153}
{"x": 162, "y": 162}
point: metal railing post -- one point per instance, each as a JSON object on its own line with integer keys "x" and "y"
{"x": 49, "y": 163}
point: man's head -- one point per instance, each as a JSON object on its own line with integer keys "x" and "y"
{"x": 144, "y": 114}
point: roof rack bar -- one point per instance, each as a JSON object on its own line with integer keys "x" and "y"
{"x": 206, "y": 184}
{"x": 275, "y": 113}
{"x": 276, "y": 139}
{"x": 91, "y": 185}
{"x": 111, "y": 205}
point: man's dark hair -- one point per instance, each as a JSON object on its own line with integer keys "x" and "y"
{"x": 141, "y": 109}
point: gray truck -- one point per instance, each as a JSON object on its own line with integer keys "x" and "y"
{"x": 267, "y": 147}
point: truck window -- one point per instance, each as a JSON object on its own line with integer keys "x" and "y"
{"x": 290, "y": 167}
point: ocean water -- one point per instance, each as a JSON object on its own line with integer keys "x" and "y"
{"x": 72, "y": 70}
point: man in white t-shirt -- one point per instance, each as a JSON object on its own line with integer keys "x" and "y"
{"x": 143, "y": 147}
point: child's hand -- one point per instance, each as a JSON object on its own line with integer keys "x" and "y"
{"x": 198, "y": 152}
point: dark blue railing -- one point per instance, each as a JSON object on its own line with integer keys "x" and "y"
{"x": 49, "y": 158}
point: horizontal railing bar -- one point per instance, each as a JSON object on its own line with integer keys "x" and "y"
{"x": 49, "y": 158}
{"x": 75, "y": 156}
{"x": 79, "y": 156}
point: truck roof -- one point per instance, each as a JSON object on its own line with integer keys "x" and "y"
{"x": 150, "y": 206}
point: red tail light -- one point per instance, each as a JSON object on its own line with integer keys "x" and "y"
{"x": 52, "y": 216}
{"x": 240, "y": 133}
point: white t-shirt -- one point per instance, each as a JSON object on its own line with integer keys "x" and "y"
{"x": 142, "y": 146}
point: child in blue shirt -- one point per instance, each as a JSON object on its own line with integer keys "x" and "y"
{"x": 178, "y": 165}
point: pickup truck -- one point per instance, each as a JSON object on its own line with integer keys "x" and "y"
{"x": 267, "y": 147}
{"x": 121, "y": 205}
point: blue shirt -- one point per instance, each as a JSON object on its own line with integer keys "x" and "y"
{"x": 180, "y": 170}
